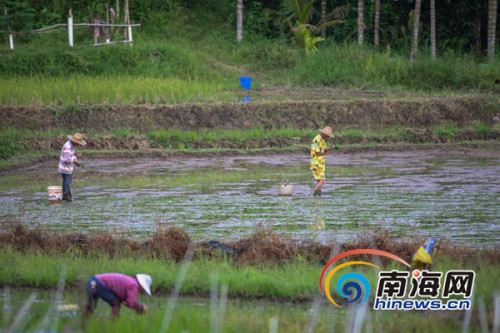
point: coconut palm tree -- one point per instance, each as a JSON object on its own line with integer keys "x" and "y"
{"x": 295, "y": 14}
{"x": 323, "y": 17}
{"x": 492, "y": 24}
{"x": 433, "y": 30}
{"x": 376, "y": 25}
{"x": 361, "y": 21}
{"x": 239, "y": 20}
{"x": 416, "y": 22}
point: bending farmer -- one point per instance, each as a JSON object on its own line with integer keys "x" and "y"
{"x": 115, "y": 289}
{"x": 67, "y": 163}
{"x": 318, "y": 157}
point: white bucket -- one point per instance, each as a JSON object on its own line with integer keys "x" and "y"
{"x": 55, "y": 193}
{"x": 285, "y": 189}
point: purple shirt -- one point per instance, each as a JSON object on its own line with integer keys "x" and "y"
{"x": 125, "y": 288}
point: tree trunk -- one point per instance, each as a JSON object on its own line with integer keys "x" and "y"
{"x": 477, "y": 23}
{"x": 126, "y": 20}
{"x": 323, "y": 17}
{"x": 433, "y": 30}
{"x": 377, "y": 23}
{"x": 416, "y": 22}
{"x": 492, "y": 25}
{"x": 361, "y": 23}
{"x": 239, "y": 21}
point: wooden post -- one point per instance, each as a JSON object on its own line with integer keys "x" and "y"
{"x": 96, "y": 31}
{"x": 70, "y": 28}
{"x": 130, "y": 33}
{"x": 11, "y": 41}
{"x": 11, "y": 37}
{"x": 126, "y": 19}
{"x": 107, "y": 22}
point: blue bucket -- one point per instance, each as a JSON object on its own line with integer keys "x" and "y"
{"x": 245, "y": 82}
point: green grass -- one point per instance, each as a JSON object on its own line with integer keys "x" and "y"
{"x": 17, "y": 148}
{"x": 293, "y": 280}
{"x": 233, "y": 315}
{"x": 205, "y": 68}
{"x": 242, "y": 138}
{"x": 449, "y": 130}
{"x": 38, "y": 270}
{"x": 348, "y": 66}
{"x": 119, "y": 89}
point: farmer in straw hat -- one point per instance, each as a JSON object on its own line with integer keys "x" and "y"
{"x": 318, "y": 157}
{"x": 67, "y": 162}
{"x": 115, "y": 289}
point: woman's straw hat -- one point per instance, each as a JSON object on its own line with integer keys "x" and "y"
{"x": 327, "y": 131}
{"x": 78, "y": 138}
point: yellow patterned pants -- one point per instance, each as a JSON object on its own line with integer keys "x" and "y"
{"x": 318, "y": 173}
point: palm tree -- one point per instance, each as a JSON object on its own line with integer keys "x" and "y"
{"x": 239, "y": 20}
{"x": 433, "y": 30}
{"x": 377, "y": 22}
{"x": 416, "y": 22}
{"x": 323, "y": 17}
{"x": 296, "y": 14}
{"x": 492, "y": 24}
{"x": 361, "y": 23}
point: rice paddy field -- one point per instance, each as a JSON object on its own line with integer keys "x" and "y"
{"x": 451, "y": 194}
{"x": 447, "y": 194}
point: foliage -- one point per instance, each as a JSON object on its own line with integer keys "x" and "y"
{"x": 7, "y": 147}
{"x": 349, "y": 67}
{"x": 303, "y": 38}
{"x": 19, "y": 17}
{"x": 9, "y": 143}
{"x": 296, "y": 15}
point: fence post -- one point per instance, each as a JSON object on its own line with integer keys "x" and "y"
{"x": 11, "y": 41}
{"x": 11, "y": 37}
{"x": 130, "y": 33}
{"x": 70, "y": 28}
{"x": 107, "y": 23}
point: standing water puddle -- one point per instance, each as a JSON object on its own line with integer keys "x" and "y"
{"x": 410, "y": 194}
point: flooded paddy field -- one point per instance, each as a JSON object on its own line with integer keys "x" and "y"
{"x": 452, "y": 194}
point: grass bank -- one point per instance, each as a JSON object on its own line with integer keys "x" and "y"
{"x": 206, "y": 68}
{"x": 262, "y": 265}
{"x": 18, "y": 142}
{"x": 296, "y": 279}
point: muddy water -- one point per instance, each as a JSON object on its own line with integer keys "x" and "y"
{"x": 453, "y": 194}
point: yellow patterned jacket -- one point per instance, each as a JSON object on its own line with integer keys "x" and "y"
{"x": 318, "y": 146}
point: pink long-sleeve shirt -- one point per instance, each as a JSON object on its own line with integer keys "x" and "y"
{"x": 125, "y": 288}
